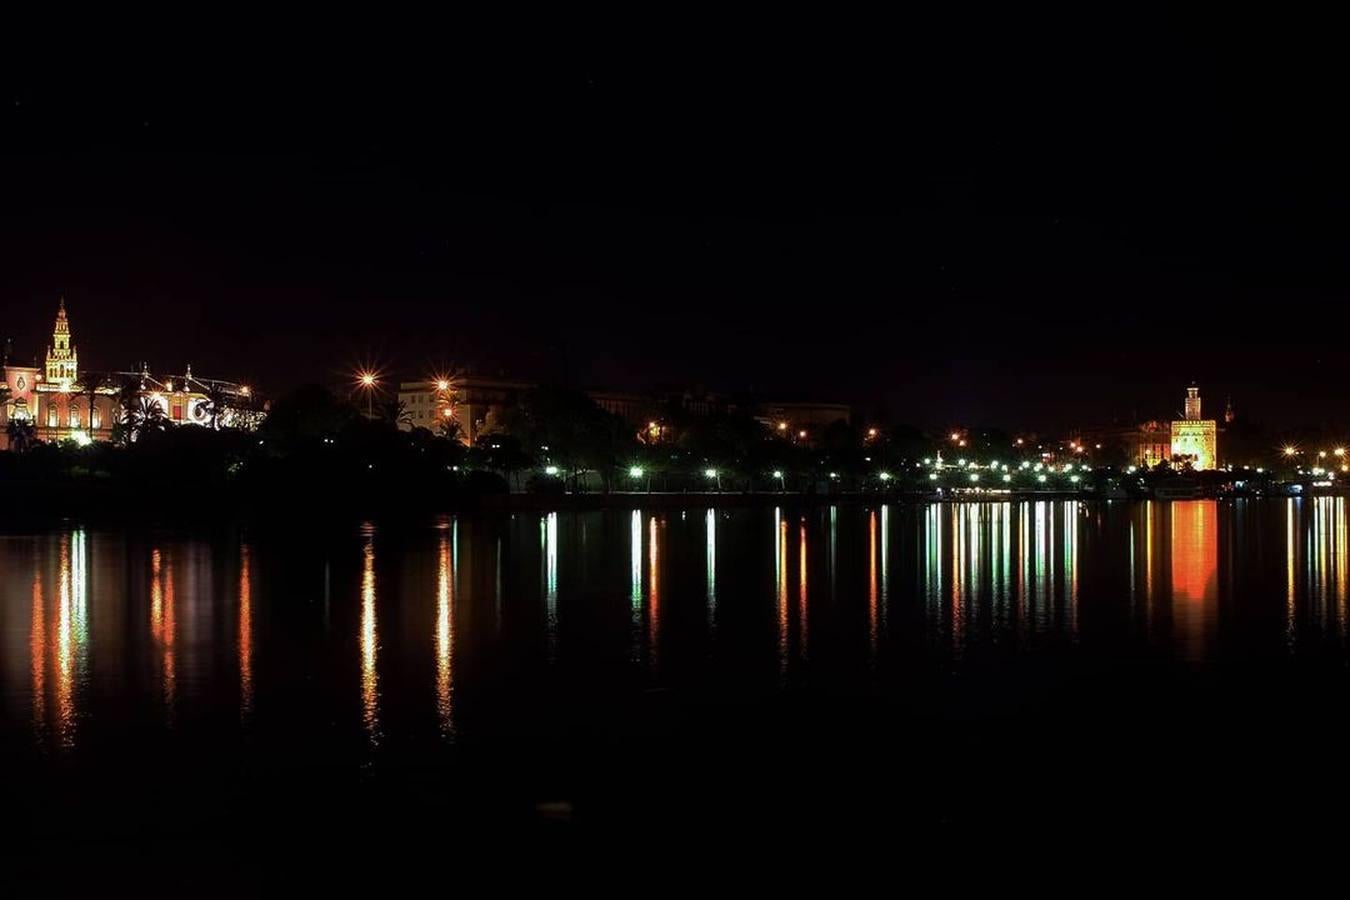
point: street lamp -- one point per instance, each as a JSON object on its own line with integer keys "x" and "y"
{"x": 367, "y": 380}
{"x": 550, "y": 470}
{"x": 711, "y": 475}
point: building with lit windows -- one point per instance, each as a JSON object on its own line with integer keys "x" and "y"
{"x": 1195, "y": 439}
{"x": 63, "y": 403}
{"x": 476, "y": 404}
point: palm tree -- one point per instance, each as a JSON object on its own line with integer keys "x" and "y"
{"x": 90, "y": 386}
{"x": 145, "y": 415}
{"x": 216, "y": 404}
{"x": 396, "y": 413}
{"x": 21, "y": 435}
{"x": 450, "y": 430}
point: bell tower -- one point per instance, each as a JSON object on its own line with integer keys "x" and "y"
{"x": 61, "y": 357}
{"x": 1193, "y": 403}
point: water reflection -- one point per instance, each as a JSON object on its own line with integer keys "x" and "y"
{"x": 635, "y": 589}
{"x": 781, "y": 580}
{"x": 163, "y": 625}
{"x": 872, "y": 590}
{"x": 370, "y": 684}
{"x": 548, "y": 547}
{"x": 710, "y": 563}
{"x": 445, "y": 628}
{"x": 990, "y": 572}
{"x": 897, "y": 586}
{"x": 1195, "y": 571}
{"x": 803, "y": 592}
{"x": 37, "y": 652}
{"x": 245, "y": 633}
{"x": 1317, "y": 571}
{"x": 653, "y": 589}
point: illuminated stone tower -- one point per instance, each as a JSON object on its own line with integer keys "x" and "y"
{"x": 1193, "y": 403}
{"x": 1194, "y": 440}
{"x": 61, "y": 357}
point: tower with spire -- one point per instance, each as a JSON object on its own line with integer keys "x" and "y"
{"x": 1194, "y": 439}
{"x": 62, "y": 362}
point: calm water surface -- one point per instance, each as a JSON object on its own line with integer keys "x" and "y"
{"x": 699, "y": 665}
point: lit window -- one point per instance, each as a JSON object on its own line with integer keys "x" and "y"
{"x": 52, "y": 419}
{"x": 74, "y": 417}
{"x": 178, "y": 412}
{"x": 98, "y": 419}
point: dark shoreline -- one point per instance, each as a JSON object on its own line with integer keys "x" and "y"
{"x": 96, "y": 502}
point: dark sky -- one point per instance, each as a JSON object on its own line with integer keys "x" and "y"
{"x": 1033, "y": 222}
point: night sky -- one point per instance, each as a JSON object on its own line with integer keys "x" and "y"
{"x": 1024, "y": 222}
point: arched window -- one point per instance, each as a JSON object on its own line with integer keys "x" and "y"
{"x": 74, "y": 416}
{"x": 98, "y": 417}
{"x": 52, "y": 418}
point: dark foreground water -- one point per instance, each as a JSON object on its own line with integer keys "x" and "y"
{"x": 1014, "y": 671}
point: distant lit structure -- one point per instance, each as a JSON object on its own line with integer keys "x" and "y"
{"x": 1195, "y": 439}
{"x": 477, "y": 404}
{"x": 62, "y": 404}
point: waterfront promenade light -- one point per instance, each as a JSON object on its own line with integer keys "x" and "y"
{"x": 1290, "y": 451}
{"x": 550, "y": 470}
{"x": 635, "y": 471}
{"x": 367, "y": 380}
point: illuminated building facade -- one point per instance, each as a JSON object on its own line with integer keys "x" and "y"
{"x": 61, "y": 405}
{"x": 476, "y": 404}
{"x": 1153, "y": 444}
{"x": 1195, "y": 439}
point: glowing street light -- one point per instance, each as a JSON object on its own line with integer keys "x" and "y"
{"x": 778, "y": 473}
{"x": 1007, "y": 478}
{"x": 550, "y": 470}
{"x": 1339, "y": 451}
{"x": 1073, "y": 478}
{"x": 871, "y": 432}
{"x": 884, "y": 476}
{"x": 956, "y": 436}
{"x": 245, "y": 390}
{"x": 802, "y": 434}
{"x": 1290, "y": 451}
{"x": 782, "y": 426}
{"x": 1041, "y": 478}
{"x": 635, "y": 472}
{"x": 367, "y": 380}
{"x": 974, "y": 476}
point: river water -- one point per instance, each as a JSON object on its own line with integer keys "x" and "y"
{"x": 961, "y": 667}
